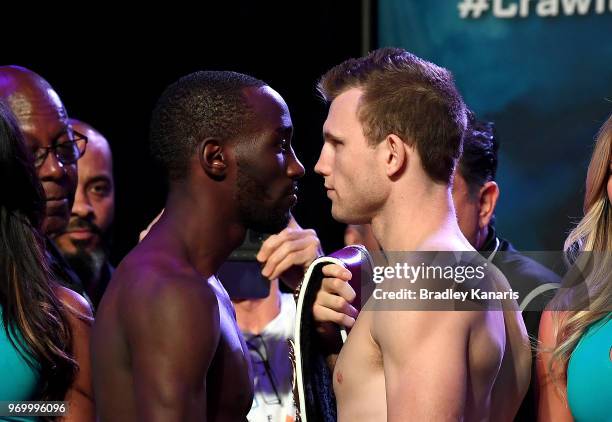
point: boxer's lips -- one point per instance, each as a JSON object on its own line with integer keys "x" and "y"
{"x": 292, "y": 199}
{"x": 292, "y": 195}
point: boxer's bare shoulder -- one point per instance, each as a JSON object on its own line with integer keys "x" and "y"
{"x": 165, "y": 327}
{"x": 429, "y": 365}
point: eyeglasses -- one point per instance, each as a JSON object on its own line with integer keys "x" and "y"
{"x": 259, "y": 356}
{"x": 66, "y": 152}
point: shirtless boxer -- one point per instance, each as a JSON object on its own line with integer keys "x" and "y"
{"x": 166, "y": 346}
{"x": 392, "y": 138}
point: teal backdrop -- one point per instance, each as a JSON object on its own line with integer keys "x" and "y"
{"x": 542, "y": 71}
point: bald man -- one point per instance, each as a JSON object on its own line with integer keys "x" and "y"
{"x": 85, "y": 241}
{"x": 56, "y": 148}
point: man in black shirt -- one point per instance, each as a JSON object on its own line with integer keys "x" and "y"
{"x": 475, "y": 195}
{"x": 85, "y": 241}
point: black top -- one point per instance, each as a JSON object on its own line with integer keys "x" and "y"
{"x": 61, "y": 270}
{"x": 98, "y": 290}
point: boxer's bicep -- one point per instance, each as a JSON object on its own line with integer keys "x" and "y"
{"x": 425, "y": 368}
{"x": 173, "y": 333}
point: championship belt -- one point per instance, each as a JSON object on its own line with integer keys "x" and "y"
{"x": 313, "y": 383}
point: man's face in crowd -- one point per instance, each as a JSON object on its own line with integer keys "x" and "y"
{"x": 94, "y": 203}
{"x": 348, "y": 164}
{"x": 267, "y": 166}
{"x": 361, "y": 234}
{"x": 44, "y": 123}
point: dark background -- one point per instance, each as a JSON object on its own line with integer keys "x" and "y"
{"x": 109, "y": 68}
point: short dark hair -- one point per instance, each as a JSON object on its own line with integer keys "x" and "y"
{"x": 199, "y": 105}
{"x": 407, "y": 96}
{"x": 478, "y": 163}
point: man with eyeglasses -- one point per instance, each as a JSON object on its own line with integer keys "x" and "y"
{"x": 55, "y": 146}
{"x": 475, "y": 193}
{"x": 85, "y": 241}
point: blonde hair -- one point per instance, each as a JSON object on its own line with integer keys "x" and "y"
{"x": 591, "y": 234}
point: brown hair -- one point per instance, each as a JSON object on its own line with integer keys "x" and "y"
{"x": 406, "y": 96}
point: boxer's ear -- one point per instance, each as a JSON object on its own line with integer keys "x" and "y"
{"x": 212, "y": 160}
{"x": 396, "y": 157}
